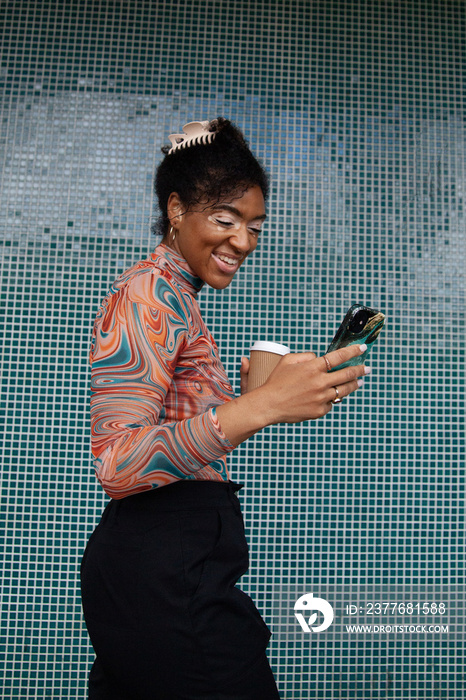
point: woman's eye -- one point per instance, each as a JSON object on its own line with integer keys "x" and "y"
{"x": 255, "y": 231}
{"x": 224, "y": 223}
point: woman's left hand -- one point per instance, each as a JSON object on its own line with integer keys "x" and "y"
{"x": 244, "y": 373}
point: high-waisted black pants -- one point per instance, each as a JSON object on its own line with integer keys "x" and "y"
{"x": 163, "y": 613}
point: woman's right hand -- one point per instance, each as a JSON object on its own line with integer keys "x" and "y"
{"x": 301, "y": 387}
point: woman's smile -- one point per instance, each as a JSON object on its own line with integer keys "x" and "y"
{"x": 227, "y": 263}
{"x": 215, "y": 240}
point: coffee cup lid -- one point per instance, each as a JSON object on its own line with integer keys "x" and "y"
{"x": 267, "y": 346}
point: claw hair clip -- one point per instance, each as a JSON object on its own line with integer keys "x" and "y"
{"x": 195, "y": 133}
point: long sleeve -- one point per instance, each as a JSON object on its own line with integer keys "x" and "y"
{"x": 155, "y": 384}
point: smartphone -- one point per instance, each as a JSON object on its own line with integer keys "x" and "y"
{"x": 360, "y": 325}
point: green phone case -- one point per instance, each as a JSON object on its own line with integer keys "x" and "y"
{"x": 360, "y": 325}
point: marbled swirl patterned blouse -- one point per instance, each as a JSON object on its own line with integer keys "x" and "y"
{"x": 156, "y": 379}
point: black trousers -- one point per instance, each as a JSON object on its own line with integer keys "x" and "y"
{"x": 163, "y": 613}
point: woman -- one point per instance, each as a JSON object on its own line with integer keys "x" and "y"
{"x": 158, "y": 577}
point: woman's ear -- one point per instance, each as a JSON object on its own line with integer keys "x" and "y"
{"x": 175, "y": 209}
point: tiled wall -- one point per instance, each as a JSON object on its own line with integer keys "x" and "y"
{"x": 358, "y": 111}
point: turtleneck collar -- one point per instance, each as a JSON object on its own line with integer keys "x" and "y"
{"x": 169, "y": 259}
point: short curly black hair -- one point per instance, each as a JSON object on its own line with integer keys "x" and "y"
{"x": 208, "y": 173}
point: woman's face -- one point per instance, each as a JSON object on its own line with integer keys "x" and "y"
{"x": 215, "y": 240}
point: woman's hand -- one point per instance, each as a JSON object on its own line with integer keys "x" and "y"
{"x": 299, "y": 388}
{"x": 244, "y": 373}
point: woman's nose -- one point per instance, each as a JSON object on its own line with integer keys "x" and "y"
{"x": 240, "y": 239}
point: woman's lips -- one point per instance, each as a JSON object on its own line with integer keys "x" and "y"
{"x": 227, "y": 264}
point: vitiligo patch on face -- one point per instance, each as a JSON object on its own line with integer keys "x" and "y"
{"x": 233, "y": 223}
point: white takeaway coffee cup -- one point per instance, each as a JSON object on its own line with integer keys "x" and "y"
{"x": 265, "y": 356}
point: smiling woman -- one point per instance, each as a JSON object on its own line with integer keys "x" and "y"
{"x": 159, "y": 574}
{"x": 215, "y": 240}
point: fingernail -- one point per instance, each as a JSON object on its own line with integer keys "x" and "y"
{"x": 367, "y": 370}
{"x": 363, "y": 348}
{"x": 360, "y": 382}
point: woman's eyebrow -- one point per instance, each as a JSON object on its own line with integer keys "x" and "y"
{"x": 234, "y": 210}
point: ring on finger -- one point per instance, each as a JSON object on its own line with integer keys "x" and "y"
{"x": 337, "y": 398}
{"x": 327, "y": 362}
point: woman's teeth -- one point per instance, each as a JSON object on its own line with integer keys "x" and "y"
{"x": 230, "y": 261}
